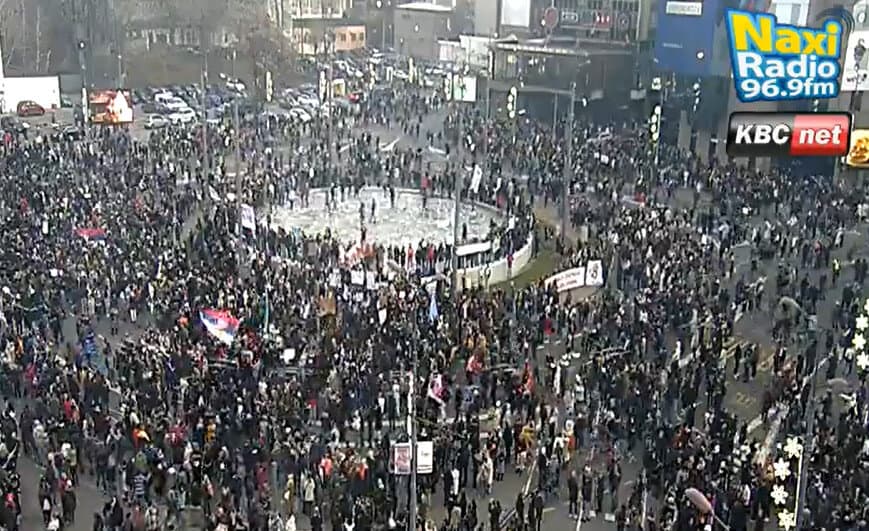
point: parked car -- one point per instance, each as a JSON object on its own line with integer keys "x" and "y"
{"x": 182, "y": 116}
{"x": 155, "y": 121}
{"x": 30, "y": 108}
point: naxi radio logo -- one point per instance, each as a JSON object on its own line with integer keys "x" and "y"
{"x": 773, "y": 62}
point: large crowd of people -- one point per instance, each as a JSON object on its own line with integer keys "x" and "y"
{"x": 257, "y": 378}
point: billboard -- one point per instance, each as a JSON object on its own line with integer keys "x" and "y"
{"x": 516, "y": 13}
{"x": 767, "y": 67}
{"x": 855, "y": 62}
{"x": 858, "y": 154}
{"x": 686, "y": 36}
{"x": 110, "y": 107}
{"x": 793, "y": 12}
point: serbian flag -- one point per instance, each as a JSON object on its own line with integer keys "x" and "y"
{"x": 91, "y": 234}
{"x": 220, "y": 324}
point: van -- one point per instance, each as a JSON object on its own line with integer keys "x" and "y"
{"x": 163, "y": 97}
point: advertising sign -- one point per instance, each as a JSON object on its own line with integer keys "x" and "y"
{"x": 855, "y": 62}
{"x": 401, "y": 459}
{"x": 686, "y": 36}
{"x": 516, "y": 13}
{"x": 758, "y": 134}
{"x": 109, "y": 107}
{"x": 858, "y": 155}
{"x": 773, "y": 61}
{"x": 424, "y": 458}
{"x": 793, "y": 12}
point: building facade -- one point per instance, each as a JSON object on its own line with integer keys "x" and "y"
{"x": 417, "y": 28}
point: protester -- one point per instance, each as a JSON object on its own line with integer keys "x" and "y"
{"x": 250, "y": 375}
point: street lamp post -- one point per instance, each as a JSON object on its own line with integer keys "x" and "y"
{"x": 203, "y": 49}
{"x": 567, "y": 171}
{"x": 568, "y": 162}
{"x": 379, "y": 5}
{"x": 457, "y": 205}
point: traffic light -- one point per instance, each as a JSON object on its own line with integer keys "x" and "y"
{"x": 323, "y": 86}
{"x": 696, "y": 88}
{"x": 511, "y": 102}
{"x": 655, "y": 124}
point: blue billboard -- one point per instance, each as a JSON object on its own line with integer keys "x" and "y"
{"x": 686, "y": 36}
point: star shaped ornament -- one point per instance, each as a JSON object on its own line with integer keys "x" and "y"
{"x": 793, "y": 448}
{"x": 862, "y": 323}
{"x": 787, "y": 520}
{"x": 779, "y": 495}
{"x": 781, "y": 469}
{"x": 863, "y": 361}
{"x": 858, "y": 342}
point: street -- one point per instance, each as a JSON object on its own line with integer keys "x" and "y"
{"x": 742, "y": 398}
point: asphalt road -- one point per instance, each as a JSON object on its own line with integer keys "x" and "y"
{"x": 742, "y": 398}
{"x": 90, "y": 499}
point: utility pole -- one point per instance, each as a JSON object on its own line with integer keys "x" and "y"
{"x": 412, "y": 426}
{"x": 203, "y": 49}
{"x": 330, "y": 46}
{"x": 458, "y": 203}
{"x": 236, "y": 131}
{"x": 808, "y": 447}
{"x": 568, "y": 163}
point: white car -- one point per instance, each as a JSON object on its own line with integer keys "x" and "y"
{"x": 300, "y": 114}
{"x": 183, "y": 116}
{"x": 175, "y": 105}
{"x": 155, "y": 121}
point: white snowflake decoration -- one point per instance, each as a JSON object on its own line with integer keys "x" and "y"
{"x": 866, "y": 306}
{"x": 787, "y": 520}
{"x": 858, "y": 342}
{"x": 863, "y": 361}
{"x": 862, "y": 323}
{"x": 779, "y": 495}
{"x": 793, "y": 448}
{"x": 782, "y": 469}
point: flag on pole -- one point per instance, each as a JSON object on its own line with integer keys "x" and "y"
{"x": 221, "y": 324}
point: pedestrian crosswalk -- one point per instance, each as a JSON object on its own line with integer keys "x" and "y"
{"x": 728, "y": 351}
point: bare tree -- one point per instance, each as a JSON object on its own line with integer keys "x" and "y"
{"x": 13, "y": 33}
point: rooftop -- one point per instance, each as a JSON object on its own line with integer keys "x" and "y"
{"x": 425, "y": 6}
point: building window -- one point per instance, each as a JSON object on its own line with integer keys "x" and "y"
{"x": 342, "y": 37}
